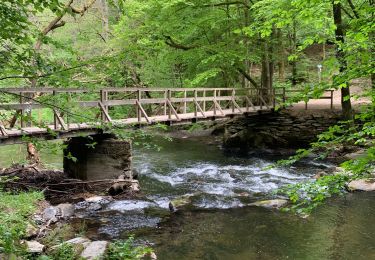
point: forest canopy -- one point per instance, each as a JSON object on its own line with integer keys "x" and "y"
{"x": 307, "y": 45}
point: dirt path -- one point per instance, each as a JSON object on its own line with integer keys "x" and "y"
{"x": 326, "y": 103}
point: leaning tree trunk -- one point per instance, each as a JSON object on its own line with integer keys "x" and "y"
{"x": 340, "y": 55}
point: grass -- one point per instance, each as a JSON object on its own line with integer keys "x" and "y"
{"x": 15, "y": 209}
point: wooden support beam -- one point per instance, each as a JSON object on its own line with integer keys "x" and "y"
{"x": 143, "y": 112}
{"x": 217, "y": 105}
{"x": 263, "y": 101}
{"x": 58, "y": 120}
{"x": 199, "y": 108}
{"x": 235, "y": 105}
{"x": 105, "y": 114}
{"x": 3, "y": 131}
{"x": 248, "y": 101}
{"x": 173, "y": 110}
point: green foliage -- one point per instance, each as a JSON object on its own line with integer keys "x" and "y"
{"x": 58, "y": 235}
{"x": 64, "y": 252}
{"x": 14, "y": 212}
{"x": 357, "y": 133}
{"x": 306, "y": 196}
{"x": 126, "y": 250}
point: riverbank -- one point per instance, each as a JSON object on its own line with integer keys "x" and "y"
{"x": 30, "y": 228}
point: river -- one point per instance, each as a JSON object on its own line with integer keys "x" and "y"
{"x": 218, "y": 224}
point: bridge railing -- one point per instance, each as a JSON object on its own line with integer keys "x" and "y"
{"x": 282, "y": 95}
{"x": 62, "y": 108}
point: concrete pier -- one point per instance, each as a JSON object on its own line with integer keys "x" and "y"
{"x": 98, "y": 157}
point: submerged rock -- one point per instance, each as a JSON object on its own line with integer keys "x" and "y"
{"x": 270, "y": 204}
{"x": 95, "y": 250}
{"x": 362, "y": 185}
{"x": 180, "y": 202}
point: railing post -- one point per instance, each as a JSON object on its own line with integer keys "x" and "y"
{"x": 195, "y": 104}
{"x": 22, "y": 111}
{"x": 169, "y": 95}
{"x": 139, "y": 114}
{"x": 215, "y": 102}
{"x": 55, "y": 123}
{"x": 331, "y": 99}
{"x": 67, "y": 114}
{"x": 233, "y": 96}
{"x": 204, "y": 100}
{"x": 185, "y": 104}
{"x": 259, "y": 99}
{"x": 219, "y": 95}
{"x": 165, "y": 102}
{"x": 247, "y": 101}
{"x": 102, "y": 100}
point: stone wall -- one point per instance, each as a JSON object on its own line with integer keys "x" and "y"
{"x": 98, "y": 157}
{"x": 283, "y": 129}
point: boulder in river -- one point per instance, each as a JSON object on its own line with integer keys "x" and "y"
{"x": 95, "y": 250}
{"x": 270, "y": 204}
{"x": 362, "y": 185}
{"x": 180, "y": 202}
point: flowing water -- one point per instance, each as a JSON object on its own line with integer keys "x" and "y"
{"x": 218, "y": 223}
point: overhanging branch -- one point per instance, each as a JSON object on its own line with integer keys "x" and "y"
{"x": 227, "y": 4}
{"x": 248, "y": 77}
{"x": 170, "y": 42}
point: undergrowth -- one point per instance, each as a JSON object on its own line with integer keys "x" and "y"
{"x": 15, "y": 210}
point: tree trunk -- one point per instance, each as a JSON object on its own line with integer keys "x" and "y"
{"x": 105, "y": 15}
{"x": 294, "y": 48}
{"x": 281, "y": 58}
{"x": 340, "y": 55}
{"x": 265, "y": 76}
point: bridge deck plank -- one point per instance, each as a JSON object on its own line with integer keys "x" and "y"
{"x": 76, "y": 127}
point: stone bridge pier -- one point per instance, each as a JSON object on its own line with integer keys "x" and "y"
{"x": 98, "y": 157}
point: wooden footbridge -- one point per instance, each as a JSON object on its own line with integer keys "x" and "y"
{"x": 52, "y": 113}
